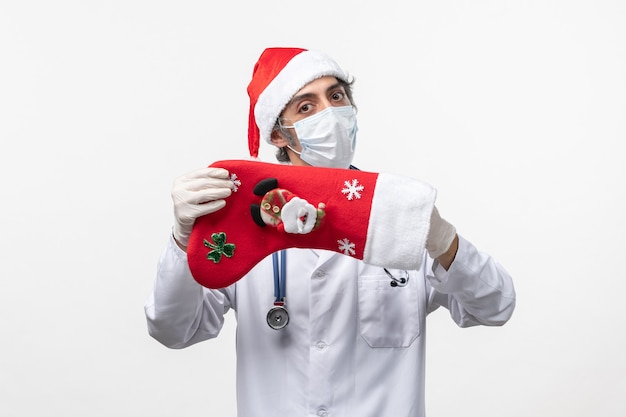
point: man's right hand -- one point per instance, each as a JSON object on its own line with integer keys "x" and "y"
{"x": 196, "y": 194}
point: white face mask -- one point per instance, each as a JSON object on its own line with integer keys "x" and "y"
{"x": 328, "y": 138}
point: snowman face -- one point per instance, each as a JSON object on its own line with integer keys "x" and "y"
{"x": 272, "y": 204}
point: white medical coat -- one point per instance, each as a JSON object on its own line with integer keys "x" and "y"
{"x": 354, "y": 345}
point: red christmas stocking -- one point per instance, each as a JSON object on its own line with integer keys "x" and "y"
{"x": 382, "y": 219}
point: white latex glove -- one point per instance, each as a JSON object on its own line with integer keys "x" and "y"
{"x": 196, "y": 194}
{"x": 440, "y": 236}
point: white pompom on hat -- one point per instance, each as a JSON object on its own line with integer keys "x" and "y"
{"x": 277, "y": 76}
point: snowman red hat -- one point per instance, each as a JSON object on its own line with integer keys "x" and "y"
{"x": 279, "y": 74}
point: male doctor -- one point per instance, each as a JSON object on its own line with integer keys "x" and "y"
{"x": 353, "y": 340}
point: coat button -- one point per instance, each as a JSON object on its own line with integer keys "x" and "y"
{"x": 319, "y": 274}
{"x": 322, "y": 412}
{"x": 321, "y": 345}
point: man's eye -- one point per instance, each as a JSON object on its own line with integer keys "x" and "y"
{"x": 304, "y": 108}
{"x": 338, "y": 96}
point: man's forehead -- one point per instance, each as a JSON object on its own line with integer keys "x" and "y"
{"x": 322, "y": 84}
{"x": 318, "y": 87}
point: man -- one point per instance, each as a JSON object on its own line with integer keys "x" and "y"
{"x": 355, "y": 338}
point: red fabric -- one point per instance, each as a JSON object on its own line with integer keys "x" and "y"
{"x": 346, "y": 194}
{"x": 269, "y": 65}
{"x": 254, "y": 137}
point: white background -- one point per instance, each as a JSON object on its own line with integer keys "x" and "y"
{"x": 514, "y": 110}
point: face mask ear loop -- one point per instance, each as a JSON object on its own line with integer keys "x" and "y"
{"x": 283, "y": 127}
{"x": 290, "y": 139}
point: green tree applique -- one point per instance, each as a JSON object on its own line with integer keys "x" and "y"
{"x": 219, "y": 248}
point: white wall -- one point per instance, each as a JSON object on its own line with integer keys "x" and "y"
{"x": 514, "y": 110}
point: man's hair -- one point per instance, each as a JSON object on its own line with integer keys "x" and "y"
{"x": 281, "y": 153}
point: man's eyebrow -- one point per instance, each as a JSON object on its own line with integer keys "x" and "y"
{"x": 300, "y": 98}
{"x": 311, "y": 95}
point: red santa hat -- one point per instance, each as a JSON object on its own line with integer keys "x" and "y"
{"x": 277, "y": 76}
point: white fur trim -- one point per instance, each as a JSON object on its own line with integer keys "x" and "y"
{"x": 399, "y": 222}
{"x": 301, "y": 70}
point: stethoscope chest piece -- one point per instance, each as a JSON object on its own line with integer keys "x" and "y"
{"x": 277, "y": 317}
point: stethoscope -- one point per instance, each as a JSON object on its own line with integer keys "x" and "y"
{"x": 398, "y": 282}
{"x": 278, "y": 317}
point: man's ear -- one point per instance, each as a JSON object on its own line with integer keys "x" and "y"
{"x": 278, "y": 139}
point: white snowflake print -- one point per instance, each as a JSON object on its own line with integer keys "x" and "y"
{"x": 353, "y": 189}
{"x": 346, "y": 247}
{"x": 236, "y": 182}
